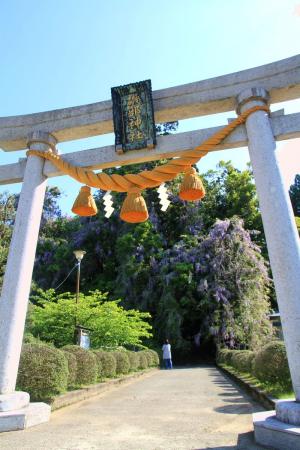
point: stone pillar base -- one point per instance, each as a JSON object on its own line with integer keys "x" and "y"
{"x": 288, "y": 411}
{"x": 269, "y": 431}
{"x": 19, "y": 419}
{"x": 14, "y": 400}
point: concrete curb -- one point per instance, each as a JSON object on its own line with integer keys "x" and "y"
{"x": 69, "y": 398}
{"x": 257, "y": 394}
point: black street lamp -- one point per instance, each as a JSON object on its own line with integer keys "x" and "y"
{"x": 79, "y": 254}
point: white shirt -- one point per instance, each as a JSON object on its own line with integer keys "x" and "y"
{"x": 166, "y": 348}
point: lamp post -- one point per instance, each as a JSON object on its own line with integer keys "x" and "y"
{"x": 79, "y": 254}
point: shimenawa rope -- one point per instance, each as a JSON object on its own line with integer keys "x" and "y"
{"x": 147, "y": 178}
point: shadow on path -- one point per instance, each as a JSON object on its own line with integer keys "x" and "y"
{"x": 242, "y": 408}
{"x": 245, "y": 442}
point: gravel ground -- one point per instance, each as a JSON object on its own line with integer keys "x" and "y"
{"x": 180, "y": 409}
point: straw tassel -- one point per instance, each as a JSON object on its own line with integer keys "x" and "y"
{"x": 191, "y": 187}
{"x": 134, "y": 208}
{"x": 84, "y": 204}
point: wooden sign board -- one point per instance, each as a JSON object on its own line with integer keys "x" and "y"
{"x": 133, "y": 116}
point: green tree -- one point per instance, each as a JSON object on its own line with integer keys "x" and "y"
{"x": 295, "y": 195}
{"x": 152, "y": 265}
{"x": 51, "y": 210}
{"x": 230, "y": 192}
{"x": 236, "y": 285}
{"x": 52, "y": 319}
{"x": 298, "y": 224}
{"x": 54, "y": 256}
{"x": 208, "y": 285}
{"x": 7, "y": 217}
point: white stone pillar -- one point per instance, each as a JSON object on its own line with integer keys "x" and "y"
{"x": 279, "y": 225}
{"x": 17, "y": 279}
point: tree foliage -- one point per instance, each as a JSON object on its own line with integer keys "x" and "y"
{"x": 298, "y": 224}
{"x": 154, "y": 266}
{"x": 231, "y": 192}
{"x": 203, "y": 286}
{"x": 7, "y": 217}
{"x": 53, "y": 316}
{"x": 196, "y": 268}
{"x": 295, "y": 195}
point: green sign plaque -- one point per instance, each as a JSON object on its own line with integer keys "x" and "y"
{"x": 133, "y": 116}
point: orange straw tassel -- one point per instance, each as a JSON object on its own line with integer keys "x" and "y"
{"x": 134, "y": 208}
{"x": 84, "y": 204}
{"x": 192, "y": 187}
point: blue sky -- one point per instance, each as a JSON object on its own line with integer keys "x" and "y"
{"x": 63, "y": 53}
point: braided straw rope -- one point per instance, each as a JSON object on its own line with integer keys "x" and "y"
{"x": 147, "y": 178}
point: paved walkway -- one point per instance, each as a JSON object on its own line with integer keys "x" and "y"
{"x": 182, "y": 409}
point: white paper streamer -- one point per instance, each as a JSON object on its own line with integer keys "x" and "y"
{"x": 107, "y": 199}
{"x": 163, "y": 197}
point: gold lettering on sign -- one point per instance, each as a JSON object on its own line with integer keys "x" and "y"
{"x": 134, "y": 120}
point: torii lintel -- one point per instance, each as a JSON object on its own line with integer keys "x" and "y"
{"x": 281, "y": 79}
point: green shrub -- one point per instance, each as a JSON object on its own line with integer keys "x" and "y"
{"x": 97, "y": 353}
{"x": 152, "y": 358}
{"x": 122, "y": 360}
{"x": 30, "y": 339}
{"x": 72, "y": 367}
{"x": 270, "y": 365}
{"x": 155, "y": 358}
{"x": 148, "y": 357}
{"x": 87, "y": 368}
{"x": 220, "y": 355}
{"x": 43, "y": 371}
{"x": 109, "y": 363}
{"x": 143, "y": 361}
{"x": 242, "y": 360}
{"x": 224, "y": 356}
{"x": 246, "y": 361}
{"x": 233, "y": 358}
{"x": 134, "y": 360}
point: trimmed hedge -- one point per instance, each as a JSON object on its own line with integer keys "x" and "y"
{"x": 87, "y": 367}
{"x": 242, "y": 360}
{"x": 155, "y": 358}
{"x": 28, "y": 338}
{"x": 233, "y": 357}
{"x": 134, "y": 360}
{"x": 109, "y": 365}
{"x": 123, "y": 363}
{"x": 149, "y": 358}
{"x": 224, "y": 356}
{"x": 143, "y": 361}
{"x": 270, "y": 364}
{"x": 46, "y": 371}
{"x": 43, "y": 371}
{"x": 72, "y": 367}
{"x": 108, "y": 362}
{"x": 99, "y": 364}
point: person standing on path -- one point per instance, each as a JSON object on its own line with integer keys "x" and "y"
{"x": 167, "y": 357}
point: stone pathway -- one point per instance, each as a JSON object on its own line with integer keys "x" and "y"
{"x": 180, "y": 409}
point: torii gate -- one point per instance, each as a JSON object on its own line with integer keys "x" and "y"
{"x": 271, "y": 83}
